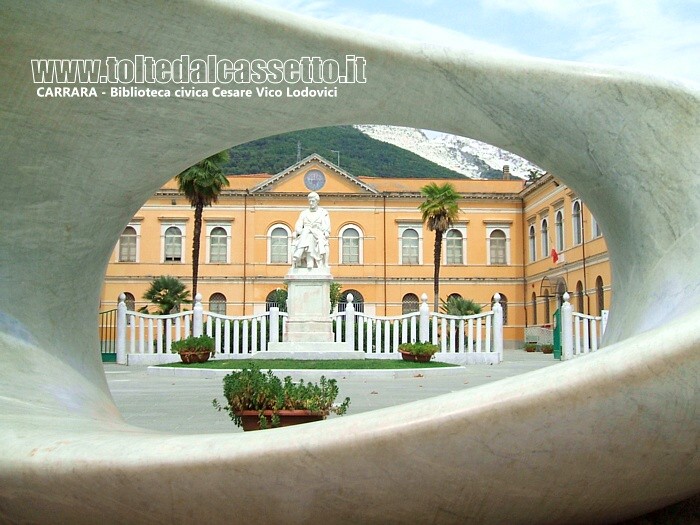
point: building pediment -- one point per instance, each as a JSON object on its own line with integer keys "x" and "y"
{"x": 314, "y": 173}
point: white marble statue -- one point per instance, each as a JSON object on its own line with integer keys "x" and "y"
{"x": 311, "y": 232}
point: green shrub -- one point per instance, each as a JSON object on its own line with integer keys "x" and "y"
{"x": 419, "y": 348}
{"x": 460, "y": 306}
{"x": 251, "y": 389}
{"x": 203, "y": 343}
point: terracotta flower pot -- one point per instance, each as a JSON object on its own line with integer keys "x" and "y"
{"x": 419, "y": 358}
{"x": 251, "y": 418}
{"x": 194, "y": 357}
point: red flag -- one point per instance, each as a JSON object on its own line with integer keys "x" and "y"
{"x": 555, "y": 256}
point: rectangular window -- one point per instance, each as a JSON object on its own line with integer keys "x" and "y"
{"x": 409, "y": 247}
{"x": 127, "y": 248}
{"x": 218, "y": 249}
{"x": 173, "y": 239}
{"x": 173, "y": 249}
{"x": 351, "y": 250}
{"x": 498, "y": 239}
{"x": 218, "y": 242}
{"x": 173, "y": 245}
{"x": 279, "y": 246}
{"x": 498, "y": 250}
{"x": 128, "y": 244}
{"x": 454, "y": 250}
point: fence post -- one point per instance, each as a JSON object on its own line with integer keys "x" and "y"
{"x": 603, "y": 321}
{"x": 424, "y": 319}
{"x": 497, "y": 310}
{"x": 121, "y": 330}
{"x": 197, "y": 316}
{"x": 567, "y": 329}
{"x": 274, "y": 324}
{"x": 349, "y": 323}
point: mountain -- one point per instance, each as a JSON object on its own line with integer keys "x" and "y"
{"x": 359, "y": 154}
{"x": 380, "y": 151}
{"x": 467, "y": 156}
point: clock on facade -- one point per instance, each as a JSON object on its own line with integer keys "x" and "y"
{"x": 314, "y": 180}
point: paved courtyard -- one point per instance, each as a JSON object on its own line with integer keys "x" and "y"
{"x": 184, "y": 404}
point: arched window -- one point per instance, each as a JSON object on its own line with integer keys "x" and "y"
{"x": 534, "y": 308}
{"x": 545, "y": 237}
{"x": 561, "y": 290}
{"x": 504, "y": 305}
{"x": 357, "y": 300}
{"x": 531, "y": 238}
{"x": 579, "y": 297}
{"x": 577, "y": 222}
{"x": 127, "y": 245}
{"x": 218, "y": 245}
{"x": 547, "y": 313}
{"x": 173, "y": 244}
{"x": 277, "y": 298}
{"x": 497, "y": 247}
{"x": 600, "y": 294}
{"x": 350, "y": 245}
{"x": 409, "y": 247}
{"x": 409, "y": 303}
{"x": 279, "y": 245}
{"x": 217, "y": 303}
{"x": 130, "y": 301}
{"x": 454, "y": 247}
{"x": 559, "y": 230}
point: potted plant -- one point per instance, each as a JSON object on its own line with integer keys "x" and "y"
{"x": 420, "y": 352}
{"x": 547, "y": 349}
{"x": 194, "y": 349}
{"x": 530, "y": 347}
{"x": 257, "y": 400}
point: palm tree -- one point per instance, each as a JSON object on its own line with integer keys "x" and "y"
{"x": 202, "y": 184}
{"x": 440, "y": 210}
{"x": 167, "y": 293}
{"x": 460, "y": 306}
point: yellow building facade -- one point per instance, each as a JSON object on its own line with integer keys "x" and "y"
{"x": 379, "y": 249}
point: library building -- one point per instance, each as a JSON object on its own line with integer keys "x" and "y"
{"x": 528, "y": 241}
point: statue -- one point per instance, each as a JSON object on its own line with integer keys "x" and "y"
{"x": 310, "y": 244}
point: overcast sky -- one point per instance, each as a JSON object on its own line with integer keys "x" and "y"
{"x": 661, "y": 37}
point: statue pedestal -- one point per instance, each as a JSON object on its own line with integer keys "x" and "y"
{"x": 309, "y": 333}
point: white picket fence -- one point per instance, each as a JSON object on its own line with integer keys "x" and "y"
{"x": 146, "y": 339}
{"x": 581, "y": 333}
{"x": 462, "y": 339}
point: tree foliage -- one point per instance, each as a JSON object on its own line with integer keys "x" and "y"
{"x": 460, "y": 306}
{"x": 439, "y": 211}
{"x": 202, "y": 183}
{"x": 167, "y": 293}
{"x": 360, "y": 155}
{"x": 335, "y": 292}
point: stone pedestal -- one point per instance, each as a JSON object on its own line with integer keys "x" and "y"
{"x": 309, "y": 333}
{"x": 309, "y": 305}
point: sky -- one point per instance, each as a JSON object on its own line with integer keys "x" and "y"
{"x": 659, "y": 37}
